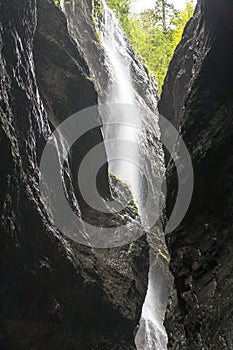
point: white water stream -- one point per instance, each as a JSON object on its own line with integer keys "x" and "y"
{"x": 151, "y": 334}
{"x": 121, "y": 92}
{"x": 119, "y": 61}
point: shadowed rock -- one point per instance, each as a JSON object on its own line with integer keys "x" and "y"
{"x": 54, "y": 294}
{"x": 197, "y": 98}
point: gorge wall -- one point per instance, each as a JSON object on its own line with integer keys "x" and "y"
{"x": 54, "y": 293}
{"x": 198, "y": 98}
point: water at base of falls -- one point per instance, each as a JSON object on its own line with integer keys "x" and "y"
{"x": 151, "y": 334}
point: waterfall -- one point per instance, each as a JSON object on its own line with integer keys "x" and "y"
{"x": 151, "y": 334}
{"x": 120, "y": 79}
{"x": 120, "y": 92}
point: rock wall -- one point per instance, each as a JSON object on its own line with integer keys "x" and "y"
{"x": 65, "y": 83}
{"x": 197, "y": 97}
{"x": 54, "y": 294}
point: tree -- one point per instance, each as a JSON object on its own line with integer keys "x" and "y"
{"x": 155, "y": 34}
{"x": 164, "y": 11}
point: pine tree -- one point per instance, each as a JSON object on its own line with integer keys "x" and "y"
{"x": 165, "y": 11}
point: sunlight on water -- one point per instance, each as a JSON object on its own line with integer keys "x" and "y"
{"x": 121, "y": 91}
{"x": 151, "y": 334}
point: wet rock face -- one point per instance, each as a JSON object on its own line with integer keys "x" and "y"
{"x": 65, "y": 83}
{"x": 197, "y": 98}
{"x": 54, "y": 294}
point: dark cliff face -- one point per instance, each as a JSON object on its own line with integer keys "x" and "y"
{"x": 198, "y": 98}
{"x": 64, "y": 82}
{"x": 54, "y": 294}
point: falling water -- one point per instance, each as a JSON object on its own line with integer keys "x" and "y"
{"x": 121, "y": 92}
{"x": 124, "y": 87}
{"x": 115, "y": 45}
{"x": 151, "y": 334}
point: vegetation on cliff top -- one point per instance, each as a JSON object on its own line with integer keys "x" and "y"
{"x": 154, "y": 33}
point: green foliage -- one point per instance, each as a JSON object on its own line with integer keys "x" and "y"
{"x": 58, "y": 2}
{"x": 154, "y": 33}
{"x": 97, "y": 10}
{"x": 181, "y": 19}
{"x": 122, "y": 11}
